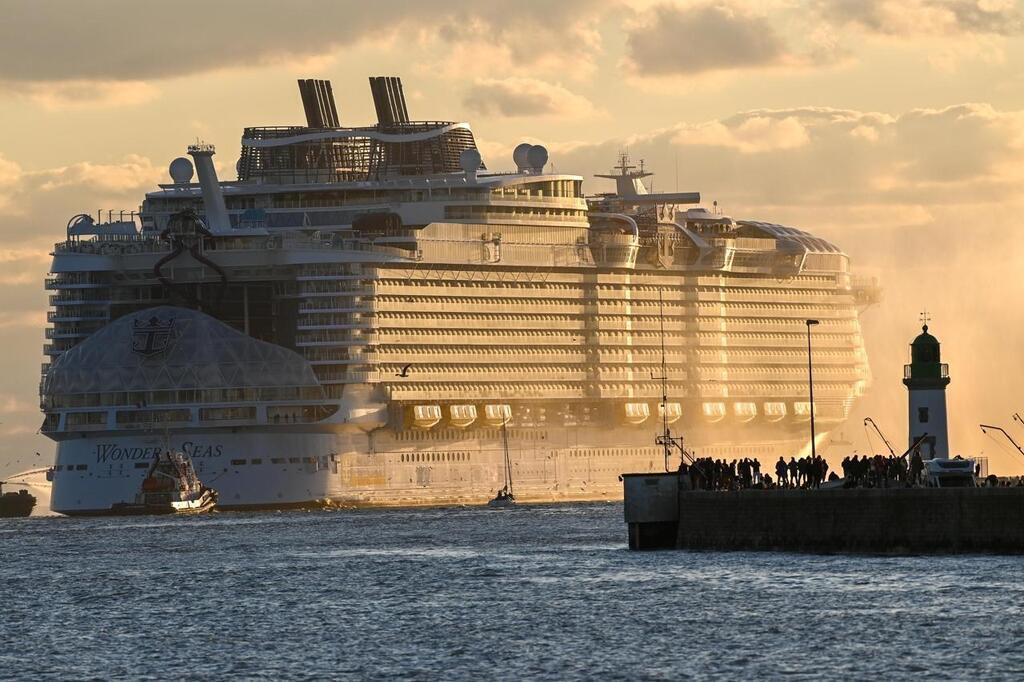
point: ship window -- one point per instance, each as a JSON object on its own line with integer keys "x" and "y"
{"x": 237, "y": 462}
{"x": 294, "y": 460}
{"x": 58, "y": 467}
{"x": 922, "y": 415}
{"x": 81, "y": 467}
{"x": 142, "y": 465}
{"x": 257, "y": 461}
{"x": 277, "y": 460}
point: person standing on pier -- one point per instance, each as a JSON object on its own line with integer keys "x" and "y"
{"x": 781, "y": 473}
{"x": 916, "y": 467}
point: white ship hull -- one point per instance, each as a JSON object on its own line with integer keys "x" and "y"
{"x": 262, "y": 470}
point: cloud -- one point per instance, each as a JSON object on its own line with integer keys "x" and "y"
{"x": 523, "y": 97}
{"x": 82, "y": 94}
{"x": 752, "y": 135}
{"x": 671, "y": 39}
{"x": 815, "y": 156}
{"x": 903, "y": 18}
{"x": 76, "y": 41}
{"x": 73, "y": 188}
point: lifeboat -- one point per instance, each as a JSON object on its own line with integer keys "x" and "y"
{"x": 637, "y": 413}
{"x": 670, "y": 412}
{"x": 802, "y": 412}
{"x": 426, "y": 416}
{"x": 714, "y": 412}
{"x": 774, "y": 412}
{"x": 744, "y": 412}
{"x": 496, "y": 415}
{"x": 462, "y": 416}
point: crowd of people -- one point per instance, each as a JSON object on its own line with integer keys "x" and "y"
{"x": 718, "y": 474}
{"x": 859, "y": 471}
{"x": 882, "y": 472}
{"x": 706, "y": 473}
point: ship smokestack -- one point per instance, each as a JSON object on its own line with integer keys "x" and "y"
{"x": 217, "y": 220}
{"x": 389, "y": 100}
{"x": 318, "y": 103}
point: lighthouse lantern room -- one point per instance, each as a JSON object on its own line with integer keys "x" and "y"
{"x": 926, "y": 378}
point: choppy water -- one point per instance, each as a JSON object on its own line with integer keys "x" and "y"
{"x": 534, "y": 592}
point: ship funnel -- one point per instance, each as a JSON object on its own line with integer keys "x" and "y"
{"x": 470, "y": 162}
{"x": 217, "y": 220}
{"x": 318, "y": 103}
{"x": 389, "y": 100}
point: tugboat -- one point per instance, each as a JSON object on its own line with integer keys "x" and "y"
{"x": 170, "y": 487}
{"x": 505, "y": 498}
{"x": 15, "y": 505}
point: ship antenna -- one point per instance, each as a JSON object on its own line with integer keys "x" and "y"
{"x": 666, "y": 439}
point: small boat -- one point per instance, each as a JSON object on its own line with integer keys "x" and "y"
{"x": 170, "y": 487}
{"x": 505, "y": 498}
{"x": 15, "y": 505}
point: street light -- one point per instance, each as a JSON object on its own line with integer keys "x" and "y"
{"x": 810, "y": 384}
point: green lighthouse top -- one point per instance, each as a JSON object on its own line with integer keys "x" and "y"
{"x": 926, "y": 369}
{"x": 925, "y": 348}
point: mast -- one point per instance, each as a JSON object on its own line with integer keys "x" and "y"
{"x": 666, "y": 439}
{"x": 508, "y": 461}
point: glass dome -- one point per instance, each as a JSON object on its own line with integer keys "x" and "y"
{"x": 168, "y": 348}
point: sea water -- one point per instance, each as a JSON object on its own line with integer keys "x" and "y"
{"x": 536, "y": 592}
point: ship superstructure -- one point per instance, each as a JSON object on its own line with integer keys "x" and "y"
{"x": 366, "y": 312}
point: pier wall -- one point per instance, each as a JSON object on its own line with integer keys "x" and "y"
{"x": 856, "y": 520}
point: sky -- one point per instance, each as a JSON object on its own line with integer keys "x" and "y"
{"x": 893, "y": 127}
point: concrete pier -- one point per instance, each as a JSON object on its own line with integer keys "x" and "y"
{"x": 652, "y": 510}
{"x": 878, "y": 520}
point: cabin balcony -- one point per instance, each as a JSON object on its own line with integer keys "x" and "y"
{"x": 67, "y": 332}
{"x": 76, "y": 299}
{"x": 76, "y": 316}
{"x": 59, "y": 284}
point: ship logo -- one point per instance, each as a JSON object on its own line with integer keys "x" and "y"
{"x": 152, "y": 336}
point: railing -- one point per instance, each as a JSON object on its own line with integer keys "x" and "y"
{"x": 78, "y": 315}
{"x": 931, "y": 370}
{"x": 67, "y": 332}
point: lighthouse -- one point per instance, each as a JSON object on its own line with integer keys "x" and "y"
{"x": 926, "y": 378}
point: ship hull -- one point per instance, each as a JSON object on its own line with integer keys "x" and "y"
{"x": 287, "y": 469}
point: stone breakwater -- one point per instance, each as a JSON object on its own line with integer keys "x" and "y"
{"x": 904, "y": 520}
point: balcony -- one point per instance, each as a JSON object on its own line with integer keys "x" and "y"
{"x": 931, "y": 370}
{"x": 77, "y": 316}
{"x": 69, "y": 332}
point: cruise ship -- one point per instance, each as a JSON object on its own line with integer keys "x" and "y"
{"x": 365, "y": 315}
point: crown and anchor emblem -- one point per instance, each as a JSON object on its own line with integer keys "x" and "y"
{"x": 152, "y": 336}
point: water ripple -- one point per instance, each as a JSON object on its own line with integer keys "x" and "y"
{"x": 537, "y": 592}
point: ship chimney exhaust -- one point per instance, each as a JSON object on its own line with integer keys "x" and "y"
{"x": 318, "y": 103}
{"x": 217, "y": 220}
{"x": 389, "y": 100}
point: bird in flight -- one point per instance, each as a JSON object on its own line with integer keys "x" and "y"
{"x": 405, "y": 372}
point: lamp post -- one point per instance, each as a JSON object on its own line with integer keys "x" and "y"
{"x": 810, "y": 384}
